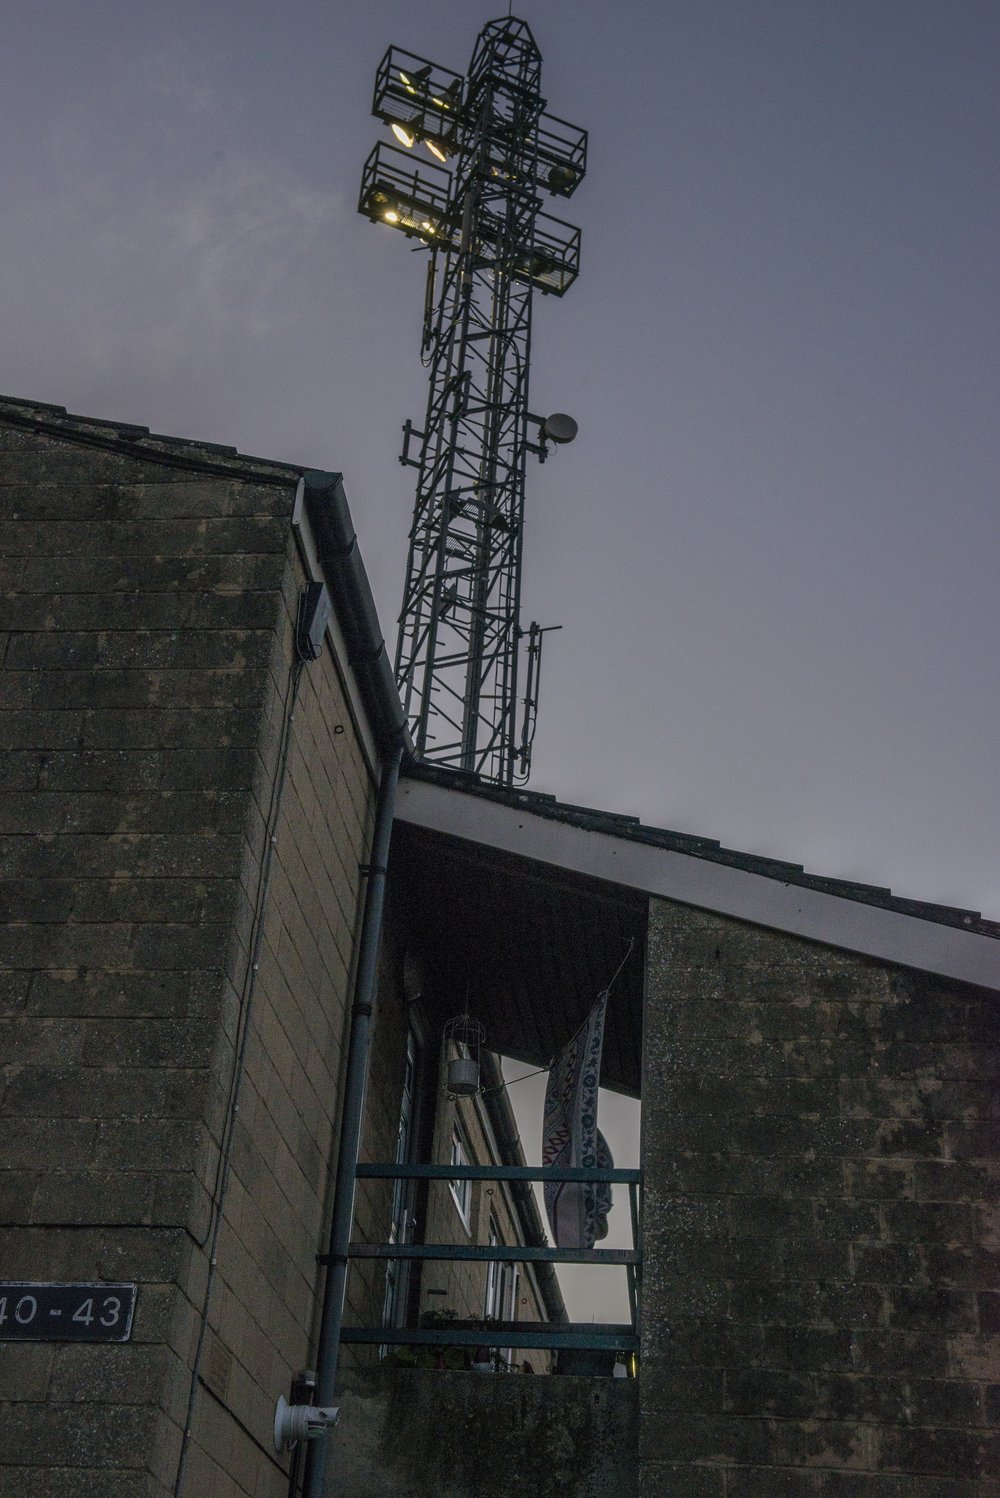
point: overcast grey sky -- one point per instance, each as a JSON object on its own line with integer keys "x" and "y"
{"x": 773, "y": 547}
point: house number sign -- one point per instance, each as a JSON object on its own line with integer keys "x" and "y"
{"x": 65, "y": 1313}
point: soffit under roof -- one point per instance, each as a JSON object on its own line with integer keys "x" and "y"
{"x": 629, "y": 829}
{"x": 624, "y": 856}
{"x": 528, "y": 945}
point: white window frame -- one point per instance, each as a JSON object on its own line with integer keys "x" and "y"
{"x": 461, "y": 1191}
{"x": 491, "y": 1305}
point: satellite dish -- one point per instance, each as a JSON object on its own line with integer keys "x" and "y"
{"x": 559, "y": 427}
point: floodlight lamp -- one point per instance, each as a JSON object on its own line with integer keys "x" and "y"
{"x": 451, "y": 94}
{"x": 435, "y": 149}
{"x": 391, "y": 216}
{"x": 403, "y": 135}
{"x": 418, "y": 80}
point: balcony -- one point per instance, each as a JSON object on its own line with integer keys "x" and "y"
{"x": 572, "y": 1337}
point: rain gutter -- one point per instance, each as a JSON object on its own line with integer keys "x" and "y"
{"x": 323, "y": 519}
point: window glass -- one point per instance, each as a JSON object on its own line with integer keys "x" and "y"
{"x": 461, "y": 1190}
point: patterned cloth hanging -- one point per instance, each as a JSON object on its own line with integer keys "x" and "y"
{"x": 577, "y": 1211}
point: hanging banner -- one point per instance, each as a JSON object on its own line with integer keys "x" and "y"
{"x": 577, "y": 1211}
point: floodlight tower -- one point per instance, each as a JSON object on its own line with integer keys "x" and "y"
{"x": 476, "y": 206}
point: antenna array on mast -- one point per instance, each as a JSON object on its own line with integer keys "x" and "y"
{"x": 475, "y": 203}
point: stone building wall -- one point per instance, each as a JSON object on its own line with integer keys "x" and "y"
{"x": 148, "y": 667}
{"x": 820, "y": 1147}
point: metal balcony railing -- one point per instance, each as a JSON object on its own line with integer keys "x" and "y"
{"x": 585, "y": 1336}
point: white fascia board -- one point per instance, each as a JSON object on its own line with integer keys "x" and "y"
{"x": 929, "y": 946}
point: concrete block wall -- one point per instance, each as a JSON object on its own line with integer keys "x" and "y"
{"x": 489, "y": 1436}
{"x": 821, "y": 1233}
{"x": 264, "y": 1301}
{"x": 148, "y": 609}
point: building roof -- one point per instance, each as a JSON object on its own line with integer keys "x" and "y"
{"x": 140, "y": 442}
{"x": 524, "y": 907}
{"x": 616, "y": 824}
{"x": 542, "y": 897}
{"x": 320, "y": 516}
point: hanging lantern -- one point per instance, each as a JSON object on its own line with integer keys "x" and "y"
{"x": 466, "y": 1036}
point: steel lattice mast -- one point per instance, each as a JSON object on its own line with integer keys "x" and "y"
{"x": 490, "y": 247}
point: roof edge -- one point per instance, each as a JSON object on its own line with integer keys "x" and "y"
{"x": 139, "y": 442}
{"x": 322, "y": 518}
{"x": 764, "y": 899}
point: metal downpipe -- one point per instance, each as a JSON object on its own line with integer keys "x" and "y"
{"x": 355, "y": 1088}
